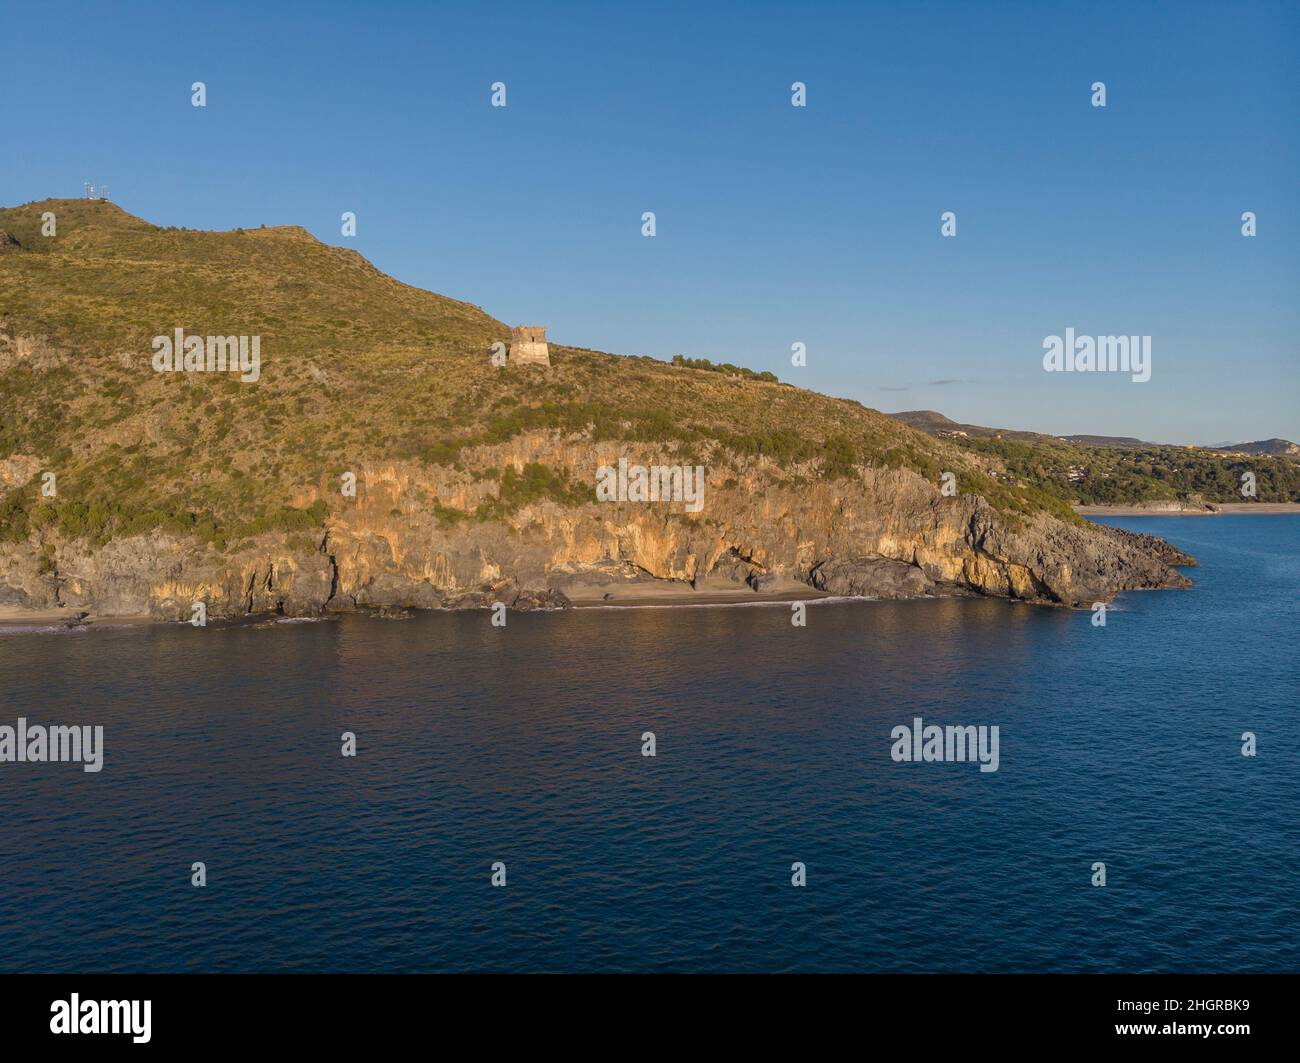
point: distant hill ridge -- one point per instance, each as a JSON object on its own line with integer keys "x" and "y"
{"x": 936, "y": 423}
{"x": 1282, "y": 447}
{"x": 1122, "y": 470}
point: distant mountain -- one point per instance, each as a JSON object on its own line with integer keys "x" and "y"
{"x": 1109, "y": 441}
{"x": 922, "y": 417}
{"x": 936, "y": 424}
{"x": 1274, "y": 447}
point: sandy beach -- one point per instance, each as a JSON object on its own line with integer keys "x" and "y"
{"x": 627, "y": 596}
{"x": 17, "y": 615}
{"x": 651, "y": 593}
{"x": 646, "y": 595}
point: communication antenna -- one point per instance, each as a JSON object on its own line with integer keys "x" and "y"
{"x": 103, "y": 192}
{"x": 90, "y": 189}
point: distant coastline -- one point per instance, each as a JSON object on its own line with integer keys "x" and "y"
{"x": 1176, "y": 509}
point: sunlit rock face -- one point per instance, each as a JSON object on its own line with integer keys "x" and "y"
{"x": 411, "y": 539}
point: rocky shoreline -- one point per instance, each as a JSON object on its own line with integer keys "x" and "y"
{"x": 887, "y": 534}
{"x": 1187, "y": 509}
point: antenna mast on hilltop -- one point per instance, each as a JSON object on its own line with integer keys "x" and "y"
{"x": 90, "y": 189}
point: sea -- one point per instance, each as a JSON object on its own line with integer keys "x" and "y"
{"x": 501, "y": 812}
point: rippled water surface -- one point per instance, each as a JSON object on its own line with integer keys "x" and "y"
{"x": 476, "y": 744}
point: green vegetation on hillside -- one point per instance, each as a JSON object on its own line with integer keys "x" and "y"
{"x": 359, "y": 370}
{"x": 108, "y": 282}
{"x": 723, "y": 367}
{"x": 1109, "y": 475}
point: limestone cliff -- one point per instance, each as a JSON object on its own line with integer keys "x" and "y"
{"x": 882, "y": 532}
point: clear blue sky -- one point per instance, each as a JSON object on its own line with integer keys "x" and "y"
{"x": 775, "y": 224}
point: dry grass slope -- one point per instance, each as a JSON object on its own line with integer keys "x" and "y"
{"x": 356, "y": 368}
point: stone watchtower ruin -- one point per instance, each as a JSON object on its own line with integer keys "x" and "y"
{"x": 528, "y": 345}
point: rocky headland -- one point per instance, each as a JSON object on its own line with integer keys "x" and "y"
{"x": 126, "y": 491}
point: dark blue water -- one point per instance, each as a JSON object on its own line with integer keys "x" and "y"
{"x": 477, "y": 744}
